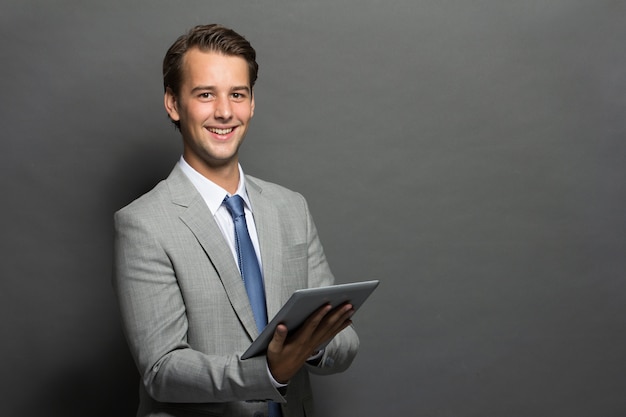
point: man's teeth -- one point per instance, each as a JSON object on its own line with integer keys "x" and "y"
{"x": 220, "y": 131}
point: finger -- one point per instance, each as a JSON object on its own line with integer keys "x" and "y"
{"x": 333, "y": 324}
{"x": 341, "y": 310}
{"x": 336, "y": 330}
{"x": 313, "y": 322}
{"x": 279, "y": 338}
{"x": 338, "y": 316}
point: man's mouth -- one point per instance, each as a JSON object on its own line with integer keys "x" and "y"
{"x": 219, "y": 131}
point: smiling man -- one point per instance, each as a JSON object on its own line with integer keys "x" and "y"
{"x": 205, "y": 258}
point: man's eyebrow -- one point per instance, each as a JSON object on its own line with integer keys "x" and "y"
{"x": 202, "y": 88}
{"x": 241, "y": 87}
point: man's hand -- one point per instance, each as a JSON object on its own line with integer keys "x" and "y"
{"x": 287, "y": 354}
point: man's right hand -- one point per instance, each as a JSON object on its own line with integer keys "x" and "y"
{"x": 286, "y": 354}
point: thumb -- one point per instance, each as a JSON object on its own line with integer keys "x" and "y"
{"x": 278, "y": 340}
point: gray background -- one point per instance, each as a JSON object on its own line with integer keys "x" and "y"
{"x": 469, "y": 154}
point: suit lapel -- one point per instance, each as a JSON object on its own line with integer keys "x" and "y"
{"x": 266, "y": 219}
{"x": 197, "y": 216}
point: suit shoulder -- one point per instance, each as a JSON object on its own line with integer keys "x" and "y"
{"x": 276, "y": 191}
{"x": 147, "y": 202}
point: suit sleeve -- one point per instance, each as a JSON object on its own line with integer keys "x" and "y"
{"x": 155, "y": 323}
{"x": 341, "y": 351}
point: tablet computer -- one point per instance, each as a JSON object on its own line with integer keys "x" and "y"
{"x": 303, "y": 303}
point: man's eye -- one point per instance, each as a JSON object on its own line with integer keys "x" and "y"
{"x": 204, "y": 95}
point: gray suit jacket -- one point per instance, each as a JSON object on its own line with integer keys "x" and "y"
{"x": 185, "y": 310}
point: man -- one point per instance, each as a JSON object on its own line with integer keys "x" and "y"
{"x": 181, "y": 253}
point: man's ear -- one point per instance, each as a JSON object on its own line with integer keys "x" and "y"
{"x": 171, "y": 104}
{"x": 252, "y": 106}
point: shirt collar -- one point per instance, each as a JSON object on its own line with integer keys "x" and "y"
{"x": 212, "y": 193}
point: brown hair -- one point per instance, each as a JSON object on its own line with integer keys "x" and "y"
{"x": 213, "y": 37}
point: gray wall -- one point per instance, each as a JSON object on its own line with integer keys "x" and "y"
{"x": 469, "y": 154}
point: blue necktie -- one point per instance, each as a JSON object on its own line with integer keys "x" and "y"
{"x": 250, "y": 272}
{"x": 248, "y": 262}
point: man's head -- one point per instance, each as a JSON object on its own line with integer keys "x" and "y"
{"x": 208, "y": 76}
{"x": 206, "y": 38}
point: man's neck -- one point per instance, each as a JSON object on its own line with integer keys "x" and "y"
{"x": 226, "y": 175}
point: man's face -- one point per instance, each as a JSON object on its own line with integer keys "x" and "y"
{"x": 214, "y": 108}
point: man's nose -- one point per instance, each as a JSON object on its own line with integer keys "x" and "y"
{"x": 223, "y": 109}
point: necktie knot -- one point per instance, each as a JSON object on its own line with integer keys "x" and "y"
{"x": 234, "y": 204}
